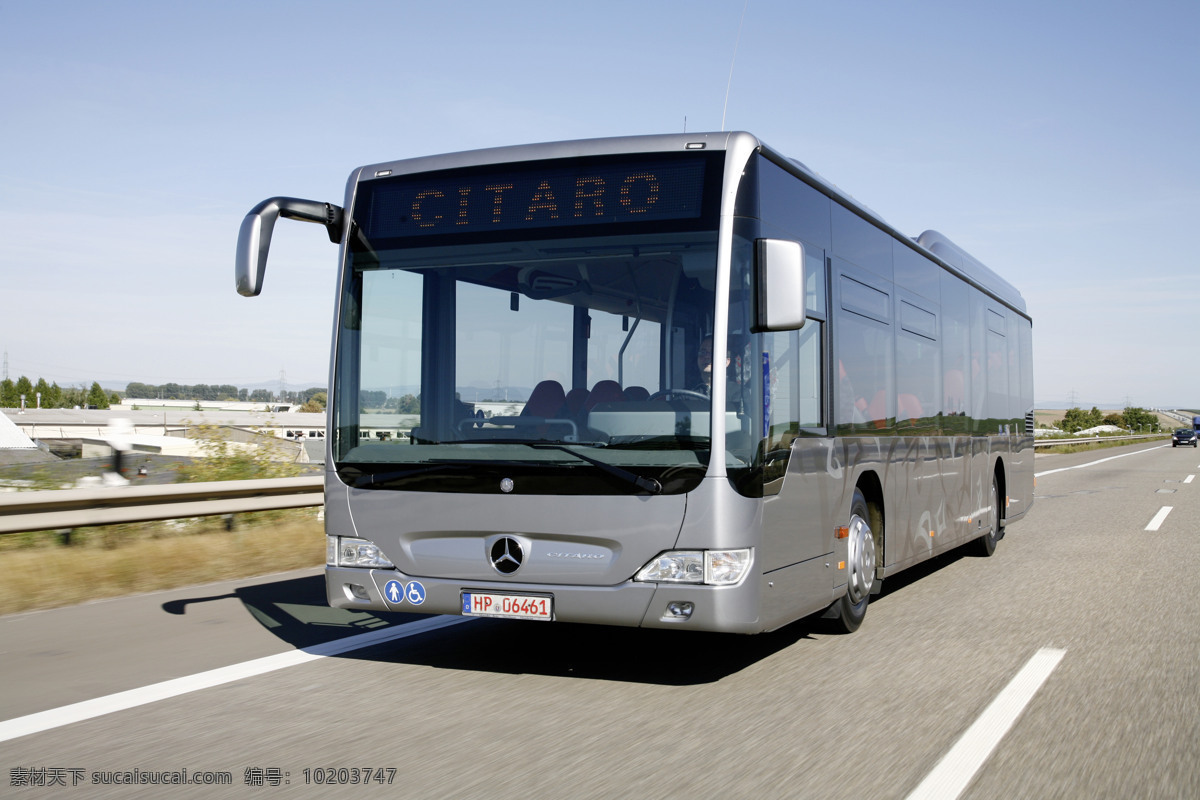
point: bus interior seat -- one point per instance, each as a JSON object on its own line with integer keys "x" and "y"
{"x": 546, "y": 400}
{"x": 606, "y": 391}
{"x": 636, "y": 393}
{"x": 574, "y": 402}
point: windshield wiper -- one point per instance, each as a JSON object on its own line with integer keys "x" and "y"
{"x": 371, "y": 478}
{"x": 645, "y": 484}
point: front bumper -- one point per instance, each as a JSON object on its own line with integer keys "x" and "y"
{"x": 732, "y": 609}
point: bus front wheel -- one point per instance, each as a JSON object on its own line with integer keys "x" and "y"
{"x": 848, "y": 611}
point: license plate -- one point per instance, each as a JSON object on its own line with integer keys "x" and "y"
{"x": 509, "y": 606}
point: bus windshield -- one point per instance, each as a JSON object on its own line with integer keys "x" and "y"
{"x": 539, "y": 361}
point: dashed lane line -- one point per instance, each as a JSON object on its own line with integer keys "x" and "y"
{"x": 1159, "y": 518}
{"x": 957, "y": 768}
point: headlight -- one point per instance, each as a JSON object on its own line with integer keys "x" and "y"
{"x": 712, "y": 567}
{"x": 343, "y": 551}
{"x": 677, "y": 567}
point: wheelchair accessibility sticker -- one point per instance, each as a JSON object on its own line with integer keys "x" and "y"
{"x": 415, "y": 593}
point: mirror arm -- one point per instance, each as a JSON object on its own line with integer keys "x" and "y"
{"x": 254, "y": 238}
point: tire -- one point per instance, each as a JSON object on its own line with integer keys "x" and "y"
{"x": 847, "y": 612}
{"x": 985, "y": 545}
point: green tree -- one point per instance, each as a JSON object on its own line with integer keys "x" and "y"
{"x": 25, "y": 387}
{"x": 1077, "y": 419}
{"x": 42, "y": 388}
{"x": 8, "y": 394}
{"x": 96, "y": 396}
{"x": 73, "y": 396}
{"x": 224, "y": 460}
{"x": 372, "y": 398}
{"x": 1139, "y": 419}
{"x": 316, "y": 403}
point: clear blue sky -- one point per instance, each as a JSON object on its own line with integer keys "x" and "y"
{"x": 1059, "y": 142}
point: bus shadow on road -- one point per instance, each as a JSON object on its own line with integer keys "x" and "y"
{"x": 295, "y": 610}
{"x": 594, "y": 652}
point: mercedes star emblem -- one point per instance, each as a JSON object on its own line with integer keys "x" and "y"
{"x": 506, "y": 555}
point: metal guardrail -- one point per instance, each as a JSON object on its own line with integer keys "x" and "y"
{"x": 1066, "y": 442}
{"x": 77, "y": 508}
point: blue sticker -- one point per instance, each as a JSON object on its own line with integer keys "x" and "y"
{"x": 766, "y": 376}
{"x": 415, "y": 593}
{"x": 394, "y": 591}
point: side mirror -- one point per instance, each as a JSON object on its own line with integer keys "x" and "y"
{"x": 780, "y": 277}
{"x": 254, "y": 238}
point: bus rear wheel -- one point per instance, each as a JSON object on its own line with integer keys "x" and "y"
{"x": 986, "y": 545}
{"x": 848, "y": 611}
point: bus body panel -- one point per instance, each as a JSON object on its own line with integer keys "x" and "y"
{"x": 599, "y": 541}
{"x": 936, "y": 493}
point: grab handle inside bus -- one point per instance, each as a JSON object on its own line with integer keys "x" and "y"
{"x": 780, "y": 285}
{"x": 254, "y": 238}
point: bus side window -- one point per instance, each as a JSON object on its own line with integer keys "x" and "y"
{"x": 792, "y": 382}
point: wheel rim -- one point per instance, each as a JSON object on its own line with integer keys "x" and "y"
{"x": 995, "y": 511}
{"x": 860, "y": 559}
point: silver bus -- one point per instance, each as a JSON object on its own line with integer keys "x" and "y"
{"x": 673, "y": 381}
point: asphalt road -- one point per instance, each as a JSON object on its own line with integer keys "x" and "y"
{"x": 494, "y": 709}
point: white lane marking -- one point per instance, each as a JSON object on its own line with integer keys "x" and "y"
{"x": 1094, "y": 463}
{"x": 1189, "y": 478}
{"x": 956, "y": 769}
{"x": 87, "y": 709}
{"x": 1159, "y": 518}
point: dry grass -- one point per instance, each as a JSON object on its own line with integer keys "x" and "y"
{"x": 1047, "y": 417}
{"x": 41, "y": 573}
{"x": 1080, "y": 447}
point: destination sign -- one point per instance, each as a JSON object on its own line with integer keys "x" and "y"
{"x": 533, "y": 195}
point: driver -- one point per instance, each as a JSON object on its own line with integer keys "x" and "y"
{"x": 704, "y": 360}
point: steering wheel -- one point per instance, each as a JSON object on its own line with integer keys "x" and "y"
{"x": 682, "y": 392}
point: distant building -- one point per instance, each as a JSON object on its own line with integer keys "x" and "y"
{"x": 164, "y": 430}
{"x": 16, "y": 448}
{"x": 12, "y": 437}
{"x": 150, "y": 404}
